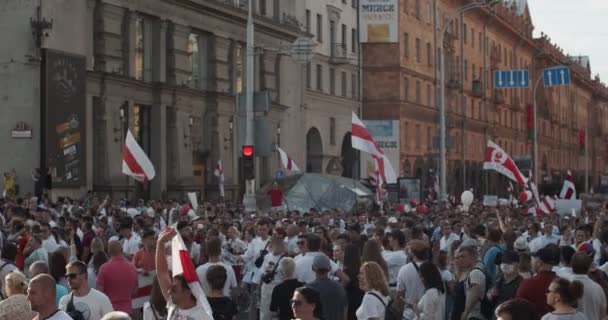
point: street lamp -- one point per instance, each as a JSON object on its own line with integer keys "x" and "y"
{"x": 442, "y": 125}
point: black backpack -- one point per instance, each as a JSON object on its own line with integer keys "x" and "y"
{"x": 487, "y": 306}
{"x": 72, "y": 311}
{"x": 391, "y": 311}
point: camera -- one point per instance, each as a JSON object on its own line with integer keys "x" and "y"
{"x": 268, "y": 277}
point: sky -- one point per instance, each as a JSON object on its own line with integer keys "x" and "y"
{"x": 579, "y": 27}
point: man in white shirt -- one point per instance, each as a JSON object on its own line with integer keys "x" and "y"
{"x": 409, "y": 283}
{"x": 214, "y": 251}
{"x": 48, "y": 240}
{"x": 304, "y": 271}
{"x": 447, "y": 237}
{"x": 395, "y": 257}
{"x": 41, "y": 295}
{"x": 92, "y": 304}
{"x": 593, "y": 302}
{"x": 254, "y": 257}
{"x": 130, "y": 241}
{"x": 292, "y": 240}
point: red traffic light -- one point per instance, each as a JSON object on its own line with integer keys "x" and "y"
{"x": 247, "y": 151}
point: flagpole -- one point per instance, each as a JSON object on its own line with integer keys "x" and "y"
{"x": 585, "y": 150}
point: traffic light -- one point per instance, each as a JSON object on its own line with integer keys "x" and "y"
{"x": 248, "y": 167}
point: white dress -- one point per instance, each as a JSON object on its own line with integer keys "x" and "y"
{"x": 432, "y": 305}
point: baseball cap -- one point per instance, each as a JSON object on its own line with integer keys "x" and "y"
{"x": 549, "y": 254}
{"x": 321, "y": 262}
{"x": 520, "y": 244}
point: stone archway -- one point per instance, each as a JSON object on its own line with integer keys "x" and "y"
{"x": 314, "y": 151}
{"x": 349, "y": 158}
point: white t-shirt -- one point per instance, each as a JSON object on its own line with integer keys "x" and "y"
{"x": 131, "y": 246}
{"x": 230, "y": 280}
{"x": 371, "y": 306}
{"x": 50, "y": 245}
{"x": 59, "y": 315}
{"x": 93, "y": 306}
{"x": 410, "y": 281}
{"x": 251, "y": 254}
{"x": 446, "y": 243}
{"x": 195, "y": 313}
{"x": 593, "y": 299}
{"x": 394, "y": 261}
{"x": 432, "y": 305}
{"x": 476, "y": 277}
{"x": 304, "y": 271}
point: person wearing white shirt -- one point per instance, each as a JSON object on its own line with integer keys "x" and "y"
{"x": 130, "y": 241}
{"x": 48, "y": 240}
{"x": 292, "y": 240}
{"x": 214, "y": 250}
{"x": 253, "y": 258}
{"x": 593, "y": 301}
{"x": 269, "y": 277}
{"x": 92, "y": 304}
{"x": 409, "y": 282}
{"x": 547, "y": 238}
{"x": 304, "y": 271}
{"x": 447, "y": 237}
{"x": 396, "y": 258}
{"x": 377, "y": 296}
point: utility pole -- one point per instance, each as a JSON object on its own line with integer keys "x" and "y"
{"x": 249, "y": 198}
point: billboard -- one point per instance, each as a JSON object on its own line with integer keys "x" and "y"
{"x": 386, "y": 134}
{"x": 379, "y": 21}
{"x": 64, "y": 113}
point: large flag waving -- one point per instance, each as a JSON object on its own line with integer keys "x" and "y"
{"x": 181, "y": 263}
{"x": 219, "y": 172}
{"x": 135, "y": 162}
{"x": 568, "y": 189}
{"x": 498, "y": 160}
{"x": 362, "y": 140}
{"x": 287, "y": 162}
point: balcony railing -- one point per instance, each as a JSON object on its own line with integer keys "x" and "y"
{"x": 339, "y": 54}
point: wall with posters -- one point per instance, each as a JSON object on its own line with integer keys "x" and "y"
{"x": 386, "y": 134}
{"x": 379, "y": 21}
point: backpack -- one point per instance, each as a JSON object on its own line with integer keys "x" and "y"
{"x": 603, "y": 253}
{"x": 487, "y": 306}
{"x": 72, "y": 311}
{"x": 391, "y": 311}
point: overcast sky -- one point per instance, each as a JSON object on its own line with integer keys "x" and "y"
{"x": 580, "y": 27}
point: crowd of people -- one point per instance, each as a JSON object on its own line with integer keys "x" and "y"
{"x": 94, "y": 258}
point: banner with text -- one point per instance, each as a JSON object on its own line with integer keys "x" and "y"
{"x": 386, "y": 134}
{"x": 379, "y": 21}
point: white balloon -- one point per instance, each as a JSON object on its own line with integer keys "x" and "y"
{"x": 467, "y": 199}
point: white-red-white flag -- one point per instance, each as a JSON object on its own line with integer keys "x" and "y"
{"x": 498, "y": 160}
{"x": 287, "y": 162}
{"x": 374, "y": 178}
{"x": 361, "y": 139}
{"x": 568, "y": 189}
{"x": 219, "y": 172}
{"x": 181, "y": 263}
{"x": 135, "y": 162}
{"x": 547, "y": 205}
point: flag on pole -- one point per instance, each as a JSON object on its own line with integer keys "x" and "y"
{"x": 436, "y": 186}
{"x": 219, "y": 172}
{"x": 181, "y": 263}
{"x": 568, "y": 188}
{"x": 287, "y": 162}
{"x": 135, "y": 162}
{"x": 498, "y": 160}
{"x": 362, "y": 140}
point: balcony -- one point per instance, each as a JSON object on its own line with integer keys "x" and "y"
{"x": 339, "y": 54}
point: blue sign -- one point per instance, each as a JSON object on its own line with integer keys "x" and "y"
{"x": 511, "y": 79}
{"x": 279, "y": 174}
{"x": 556, "y": 76}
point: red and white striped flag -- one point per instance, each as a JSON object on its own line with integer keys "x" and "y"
{"x": 568, "y": 188}
{"x": 135, "y": 162}
{"x": 498, "y": 160}
{"x": 181, "y": 263}
{"x": 362, "y": 140}
{"x": 547, "y": 205}
{"x": 287, "y": 162}
{"x": 219, "y": 172}
{"x": 374, "y": 179}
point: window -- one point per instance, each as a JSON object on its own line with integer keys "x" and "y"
{"x": 417, "y": 9}
{"x": 405, "y": 7}
{"x": 319, "y": 77}
{"x": 344, "y": 38}
{"x": 262, "y": 7}
{"x": 308, "y": 76}
{"x": 406, "y": 45}
{"x": 406, "y": 87}
{"x": 466, "y": 69}
{"x": 472, "y": 38}
{"x": 332, "y": 81}
{"x": 353, "y": 40}
{"x": 332, "y": 131}
{"x": 429, "y": 54}
{"x": 319, "y": 28}
{"x": 429, "y": 138}
{"x": 464, "y": 33}
{"x": 429, "y": 95}
{"x": 480, "y": 44}
{"x": 406, "y": 135}
{"x": 417, "y": 50}
{"x": 428, "y": 12}
{"x": 239, "y": 71}
{"x": 307, "y": 20}
{"x": 198, "y": 48}
{"x": 354, "y": 83}
{"x": 418, "y": 93}
{"x": 418, "y": 137}
{"x": 143, "y": 48}
{"x": 473, "y": 72}
{"x": 354, "y": 3}
{"x": 343, "y": 83}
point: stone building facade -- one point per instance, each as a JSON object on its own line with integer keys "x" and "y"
{"x": 400, "y": 82}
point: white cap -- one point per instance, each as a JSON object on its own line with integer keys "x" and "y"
{"x": 392, "y": 220}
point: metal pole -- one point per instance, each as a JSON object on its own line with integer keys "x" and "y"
{"x": 535, "y": 131}
{"x": 249, "y": 198}
{"x": 586, "y": 150}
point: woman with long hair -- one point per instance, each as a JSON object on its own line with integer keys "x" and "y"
{"x": 372, "y": 280}
{"x": 563, "y": 296}
{"x": 57, "y": 263}
{"x": 97, "y": 260}
{"x": 306, "y": 304}
{"x": 351, "y": 267}
{"x": 15, "y": 306}
{"x": 156, "y": 307}
{"x": 372, "y": 251}
{"x": 432, "y": 304}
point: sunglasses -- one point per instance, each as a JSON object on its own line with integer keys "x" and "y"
{"x": 72, "y": 275}
{"x": 296, "y": 303}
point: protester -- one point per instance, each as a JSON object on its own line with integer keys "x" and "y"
{"x": 433, "y": 302}
{"x": 516, "y": 309}
{"x": 562, "y": 296}
{"x": 270, "y": 278}
{"x": 280, "y": 303}
{"x": 330, "y": 291}
{"x": 34, "y": 252}
{"x": 156, "y": 307}
{"x": 118, "y": 279}
{"x": 92, "y": 304}
{"x": 7, "y": 263}
{"x": 376, "y": 298}
{"x": 41, "y": 296}
{"x": 593, "y": 301}
{"x": 409, "y": 282}
{"x": 221, "y": 305}
{"x": 15, "y": 306}
{"x": 306, "y": 304}
{"x": 509, "y": 280}
{"x": 534, "y": 289}
{"x": 41, "y": 267}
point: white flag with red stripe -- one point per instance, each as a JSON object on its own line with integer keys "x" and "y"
{"x": 219, "y": 172}
{"x": 547, "y": 205}
{"x": 498, "y": 160}
{"x": 362, "y": 140}
{"x": 135, "y": 162}
{"x": 181, "y": 263}
{"x": 374, "y": 179}
{"x": 568, "y": 189}
{"x": 287, "y": 162}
